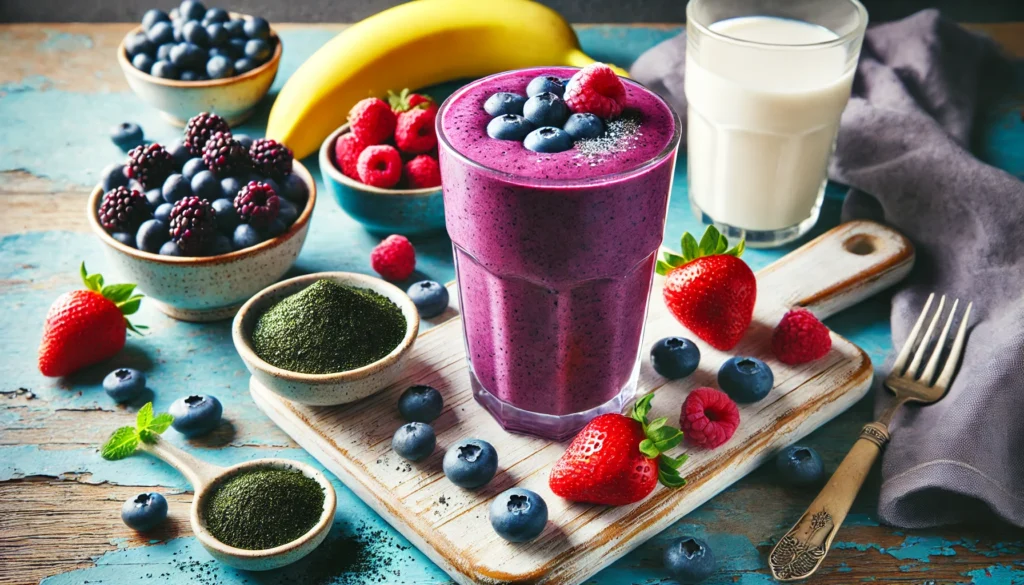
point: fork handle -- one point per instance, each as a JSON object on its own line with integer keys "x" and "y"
{"x": 800, "y": 552}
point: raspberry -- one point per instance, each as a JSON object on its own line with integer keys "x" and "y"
{"x": 596, "y": 89}
{"x": 149, "y": 164}
{"x": 380, "y": 166}
{"x": 199, "y": 130}
{"x": 415, "y": 132}
{"x": 346, "y": 154}
{"x": 394, "y": 258}
{"x": 422, "y": 172}
{"x": 372, "y": 121}
{"x": 224, "y": 155}
{"x": 193, "y": 225}
{"x": 405, "y": 101}
{"x": 709, "y": 417}
{"x": 800, "y": 338}
{"x": 271, "y": 158}
{"x": 123, "y": 210}
{"x": 257, "y": 204}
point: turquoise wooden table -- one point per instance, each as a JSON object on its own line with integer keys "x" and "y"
{"x": 60, "y": 91}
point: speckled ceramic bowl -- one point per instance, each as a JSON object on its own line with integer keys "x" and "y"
{"x": 408, "y": 212}
{"x": 208, "y": 288}
{"x": 234, "y": 98}
{"x": 323, "y": 389}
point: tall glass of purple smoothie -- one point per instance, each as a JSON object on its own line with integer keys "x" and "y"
{"x": 555, "y": 254}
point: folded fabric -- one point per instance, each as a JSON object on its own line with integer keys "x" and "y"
{"x": 904, "y": 148}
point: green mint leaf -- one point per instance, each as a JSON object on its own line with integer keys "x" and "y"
{"x": 662, "y": 268}
{"x": 648, "y": 449}
{"x": 690, "y": 248}
{"x": 145, "y": 417}
{"x": 160, "y": 423}
{"x": 118, "y": 293}
{"x": 120, "y": 444}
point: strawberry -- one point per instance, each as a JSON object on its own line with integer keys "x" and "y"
{"x": 405, "y": 101}
{"x": 84, "y": 327}
{"x": 709, "y": 289}
{"x": 617, "y": 459}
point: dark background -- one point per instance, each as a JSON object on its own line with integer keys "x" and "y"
{"x": 577, "y": 11}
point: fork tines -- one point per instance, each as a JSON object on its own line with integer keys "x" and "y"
{"x": 900, "y": 366}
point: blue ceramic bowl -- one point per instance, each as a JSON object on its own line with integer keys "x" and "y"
{"x": 408, "y": 212}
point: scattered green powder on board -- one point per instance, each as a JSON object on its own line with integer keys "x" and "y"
{"x": 328, "y": 328}
{"x": 263, "y": 508}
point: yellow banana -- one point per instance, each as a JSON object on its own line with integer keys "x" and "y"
{"x": 414, "y": 45}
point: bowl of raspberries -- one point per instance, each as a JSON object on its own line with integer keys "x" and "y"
{"x": 196, "y": 59}
{"x": 204, "y": 223}
{"x": 382, "y": 166}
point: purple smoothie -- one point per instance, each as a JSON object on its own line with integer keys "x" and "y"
{"x": 554, "y": 255}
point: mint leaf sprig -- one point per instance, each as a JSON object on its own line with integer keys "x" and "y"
{"x": 125, "y": 440}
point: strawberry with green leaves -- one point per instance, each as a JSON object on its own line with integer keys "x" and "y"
{"x": 617, "y": 459}
{"x": 709, "y": 289}
{"x": 125, "y": 440}
{"x": 84, "y": 327}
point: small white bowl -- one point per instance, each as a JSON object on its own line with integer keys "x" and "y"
{"x": 323, "y": 389}
{"x": 233, "y": 98}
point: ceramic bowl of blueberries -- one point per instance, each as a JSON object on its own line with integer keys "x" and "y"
{"x": 200, "y": 237}
{"x": 195, "y": 59}
{"x": 323, "y": 389}
{"x": 408, "y": 212}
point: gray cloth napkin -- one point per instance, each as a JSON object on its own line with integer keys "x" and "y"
{"x": 903, "y": 147}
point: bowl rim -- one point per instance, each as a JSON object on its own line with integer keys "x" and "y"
{"x": 243, "y": 345}
{"x": 129, "y": 69}
{"x": 328, "y": 167}
{"x": 300, "y": 223}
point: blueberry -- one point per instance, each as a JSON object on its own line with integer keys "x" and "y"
{"x": 195, "y": 415}
{"x": 583, "y": 126}
{"x": 151, "y": 235}
{"x": 127, "y": 135}
{"x": 236, "y": 47}
{"x": 227, "y": 217}
{"x": 195, "y": 33}
{"x": 244, "y": 65}
{"x": 178, "y": 24}
{"x": 143, "y": 62}
{"x": 675, "y": 357}
{"x": 800, "y": 466}
{"x": 546, "y": 109}
{"x": 518, "y": 515}
{"x": 192, "y": 10}
{"x": 545, "y": 84}
{"x": 689, "y": 560}
{"x": 504, "y": 102}
{"x": 163, "y": 212}
{"x": 745, "y": 379}
{"x": 206, "y": 185}
{"x": 288, "y": 213}
{"x": 135, "y": 185}
{"x": 160, "y": 33}
{"x": 245, "y": 140}
{"x": 144, "y": 511}
{"x": 164, "y": 69}
{"x": 235, "y": 28}
{"x": 179, "y": 153}
{"x": 163, "y": 52}
{"x": 245, "y": 236}
{"x": 153, "y": 16}
{"x": 548, "y": 139}
{"x": 170, "y": 248}
{"x": 193, "y": 167}
{"x": 257, "y": 50}
{"x": 175, "y": 188}
{"x": 217, "y": 34}
{"x": 257, "y": 28}
{"x": 113, "y": 177}
{"x": 189, "y": 75}
{"x": 509, "y": 127}
{"x": 139, "y": 44}
{"x": 216, "y": 15}
{"x": 430, "y": 298}
{"x": 124, "y": 384}
{"x": 125, "y": 238}
{"x": 414, "y": 441}
{"x": 470, "y": 463}
{"x": 221, "y": 245}
{"x": 294, "y": 189}
{"x": 276, "y": 228}
{"x": 229, "y": 188}
{"x": 420, "y": 403}
{"x": 220, "y": 67}
{"x": 154, "y": 197}
{"x": 188, "y": 56}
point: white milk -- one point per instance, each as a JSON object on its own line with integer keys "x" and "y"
{"x": 762, "y": 120}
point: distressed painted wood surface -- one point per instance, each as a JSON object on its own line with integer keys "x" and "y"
{"x": 60, "y": 90}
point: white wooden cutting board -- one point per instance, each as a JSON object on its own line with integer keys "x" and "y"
{"x": 450, "y": 525}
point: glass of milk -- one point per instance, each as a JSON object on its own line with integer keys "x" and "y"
{"x": 766, "y": 82}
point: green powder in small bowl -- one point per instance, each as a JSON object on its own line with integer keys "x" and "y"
{"x": 263, "y": 508}
{"x": 328, "y": 328}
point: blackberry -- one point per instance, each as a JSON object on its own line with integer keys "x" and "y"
{"x": 224, "y": 155}
{"x": 257, "y": 205}
{"x": 123, "y": 209}
{"x": 271, "y": 158}
{"x": 149, "y": 164}
{"x": 199, "y": 130}
{"x": 193, "y": 225}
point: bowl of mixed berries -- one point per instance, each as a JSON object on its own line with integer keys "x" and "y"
{"x": 382, "y": 166}
{"x": 195, "y": 59}
{"x": 206, "y": 222}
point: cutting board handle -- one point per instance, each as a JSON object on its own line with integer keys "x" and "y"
{"x": 840, "y": 268}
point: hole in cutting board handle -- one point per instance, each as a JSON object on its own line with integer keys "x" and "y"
{"x": 861, "y": 244}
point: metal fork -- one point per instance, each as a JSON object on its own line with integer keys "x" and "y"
{"x": 800, "y": 552}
